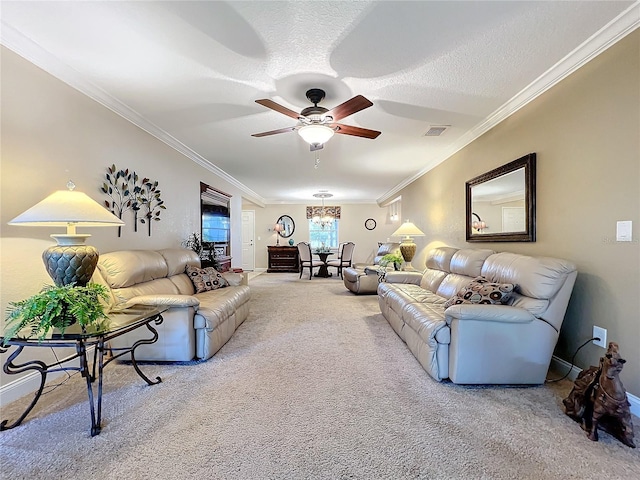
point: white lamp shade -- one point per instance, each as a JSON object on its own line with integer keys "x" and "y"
{"x": 316, "y": 134}
{"x": 66, "y": 207}
{"x": 408, "y": 229}
{"x": 69, "y": 262}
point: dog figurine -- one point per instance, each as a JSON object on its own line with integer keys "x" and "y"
{"x": 598, "y": 399}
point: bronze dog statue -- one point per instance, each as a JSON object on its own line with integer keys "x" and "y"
{"x": 598, "y": 399}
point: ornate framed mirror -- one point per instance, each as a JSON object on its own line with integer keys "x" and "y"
{"x": 288, "y": 226}
{"x": 501, "y": 204}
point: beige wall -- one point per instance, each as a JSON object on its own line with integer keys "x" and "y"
{"x": 585, "y": 132}
{"x": 351, "y": 228}
{"x": 52, "y": 133}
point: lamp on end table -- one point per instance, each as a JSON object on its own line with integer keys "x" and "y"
{"x": 408, "y": 246}
{"x": 70, "y": 261}
{"x": 277, "y": 228}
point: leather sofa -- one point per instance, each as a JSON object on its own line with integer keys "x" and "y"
{"x": 473, "y": 343}
{"x": 364, "y": 279}
{"x": 196, "y": 325}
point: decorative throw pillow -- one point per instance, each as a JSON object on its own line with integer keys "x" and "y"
{"x": 205, "y": 279}
{"x": 481, "y": 290}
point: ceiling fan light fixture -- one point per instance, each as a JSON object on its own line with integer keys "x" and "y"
{"x": 316, "y": 134}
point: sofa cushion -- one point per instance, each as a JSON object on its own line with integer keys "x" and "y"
{"x": 183, "y": 283}
{"x": 440, "y": 258}
{"x": 468, "y": 261}
{"x": 428, "y": 321}
{"x": 178, "y": 258}
{"x": 130, "y": 267}
{"x": 536, "y": 277}
{"x": 233, "y": 279}
{"x": 452, "y": 284}
{"x": 216, "y": 306}
{"x": 399, "y": 294}
{"x": 205, "y": 279}
{"x": 431, "y": 279}
{"x": 481, "y": 290}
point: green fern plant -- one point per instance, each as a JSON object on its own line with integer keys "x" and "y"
{"x": 204, "y": 250}
{"x": 392, "y": 258}
{"x": 57, "y": 307}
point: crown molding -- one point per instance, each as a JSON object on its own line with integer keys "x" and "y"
{"x": 275, "y": 201}
{"x": 611, "y": 33}
{"x": 34, "y": 53}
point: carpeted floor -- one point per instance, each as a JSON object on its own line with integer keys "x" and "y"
{"x": 314, "y": 385}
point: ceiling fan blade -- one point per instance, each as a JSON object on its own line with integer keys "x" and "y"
{"x": 315, "y": 146}
{"x": 349, "y": 107}
{"x": 355, "y": 131}
{"x": 273, "y": 132}
{"x": 265, "y": 102}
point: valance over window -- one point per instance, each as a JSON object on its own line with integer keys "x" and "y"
{"x": 332, "y": 211}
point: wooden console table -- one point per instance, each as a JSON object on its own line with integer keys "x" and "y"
{"x": 283, "y": 259}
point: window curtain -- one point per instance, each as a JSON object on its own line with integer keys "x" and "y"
{"x": 314, "y": 211}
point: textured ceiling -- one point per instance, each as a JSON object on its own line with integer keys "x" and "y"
{"x": 190, "y": 73}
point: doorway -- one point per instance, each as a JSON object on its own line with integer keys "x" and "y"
{"x": 248, "y": 243}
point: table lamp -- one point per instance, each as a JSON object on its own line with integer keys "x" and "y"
{"x": 277, "y": 228}
{"x": 408, "y": 246}
{"x": 70, "y": 261}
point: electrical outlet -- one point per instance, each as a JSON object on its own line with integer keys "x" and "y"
{"x": 601, "y": 333}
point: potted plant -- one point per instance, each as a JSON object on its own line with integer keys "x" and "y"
{"x": 395, "y": 258}
{"x": 206, "y": 252}
{"x": 57, "y": 307}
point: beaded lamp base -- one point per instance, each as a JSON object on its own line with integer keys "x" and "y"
{"x": 68, "y": 264}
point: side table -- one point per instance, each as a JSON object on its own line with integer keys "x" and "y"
{"x": 119, "y": 323}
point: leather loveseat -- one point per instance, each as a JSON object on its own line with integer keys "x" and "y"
{"x": 363, "y": 280}
{"x": 196, "y": 325}
{"x": 478, "y": 343}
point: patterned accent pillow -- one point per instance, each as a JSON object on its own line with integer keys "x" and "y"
{"x": 481, "y": 290}
{"x": 205, "y": 279}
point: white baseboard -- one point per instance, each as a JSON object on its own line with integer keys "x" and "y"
{"x": 23, "y": 386}
{"x": 562, "y": 366}
{"x": 29, "y": 384}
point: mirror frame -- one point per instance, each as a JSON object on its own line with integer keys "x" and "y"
{"x": 529, "y": 235}
{"x": 292, "y": 223}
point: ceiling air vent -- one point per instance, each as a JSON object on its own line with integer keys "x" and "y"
{"x": 436, "y": 130}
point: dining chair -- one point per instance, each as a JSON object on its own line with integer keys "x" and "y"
{"x": 306, "y": 259}
{"x": 344, "y": 258}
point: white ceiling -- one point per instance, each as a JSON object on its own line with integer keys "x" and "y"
{"x": 190, "y": 72}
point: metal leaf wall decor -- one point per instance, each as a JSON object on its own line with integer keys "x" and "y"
{"x": 127, "y": 192}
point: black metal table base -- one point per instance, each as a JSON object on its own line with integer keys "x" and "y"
{"x": 86, "y": 370}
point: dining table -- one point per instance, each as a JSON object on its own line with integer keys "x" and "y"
{"x": 323, "y": 271}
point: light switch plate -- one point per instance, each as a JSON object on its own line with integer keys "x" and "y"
{"x": 623, "y": 231}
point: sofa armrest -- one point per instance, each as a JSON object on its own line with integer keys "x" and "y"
{"x": 403, "y": 277}
{"x": 234, "y": 279}
{"x": 488, "y": 313}
{"x": 164, "y": 299}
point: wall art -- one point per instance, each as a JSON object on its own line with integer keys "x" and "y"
{"x": 127, "y": 192}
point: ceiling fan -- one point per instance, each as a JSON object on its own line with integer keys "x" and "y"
{"x": 316, "y": 125}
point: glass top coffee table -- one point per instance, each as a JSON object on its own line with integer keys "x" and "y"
{"x": 120, "y": 322}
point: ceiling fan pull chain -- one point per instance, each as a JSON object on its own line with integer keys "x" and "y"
{"x": 317, "y": 161}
